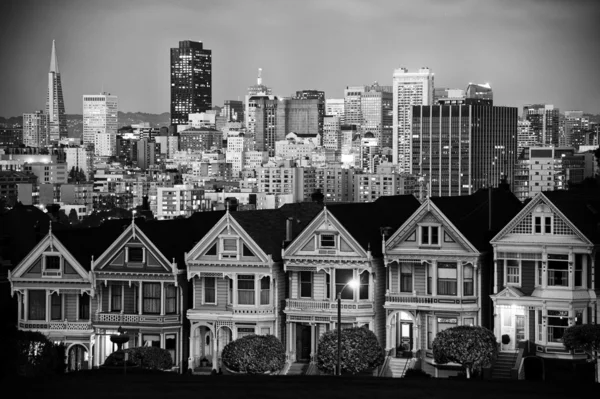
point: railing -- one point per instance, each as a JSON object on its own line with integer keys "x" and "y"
{"x": 251, "y": 310}
{"x": 385, "y": 364}
{"x": 124, "y": 318}
{"x": 56, "y": 325}
{"x": 409, "y": 299}
{"x": 518, "y": 371}
{"x": 300, "y": 304}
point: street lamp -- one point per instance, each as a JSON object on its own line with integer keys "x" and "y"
{"x": 353, "y": 284}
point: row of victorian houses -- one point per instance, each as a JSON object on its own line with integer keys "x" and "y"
{"x": 192, "y": 285}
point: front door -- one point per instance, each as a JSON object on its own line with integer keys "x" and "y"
{"x": 519, "y": 329}
{"x": 302, "y": 343}
{"x": 406, "y": 335}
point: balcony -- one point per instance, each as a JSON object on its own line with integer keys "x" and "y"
{"x": 325, "y": 306}
{"x": 56, "y": 325}
{"x": 124, "y": 318}
{"x": 428, "y": 301}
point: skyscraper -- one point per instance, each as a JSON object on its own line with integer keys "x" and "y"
{"x": 335, "y": 107}
{"x": 480, "y": 94}
{"x": 544, "y": 120}
{"x": 100, "y": 123}
{"x": 255, "y": 91}
{"x": 410, "y": 88}
{"x": 191, "y": 81}
{"x": 314, "y": 95}
{"x": 459, "y": 149}
{"x": 35, "y": 129}
{"x": 55, "y": 104}
{"x": 377, "y": 114}
{"x": 352, "y": 105}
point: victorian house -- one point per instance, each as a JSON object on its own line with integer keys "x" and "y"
{"x": 342, "y": 243}
{"x": 546, "y": 272}
{"x": 437, "y": 269}
{"x": 237, "y": 278}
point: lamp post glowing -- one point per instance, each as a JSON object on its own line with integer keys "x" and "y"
{"x": 353, "y": 284}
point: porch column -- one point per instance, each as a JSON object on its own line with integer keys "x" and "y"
{"x": 545, "y": 269}
{"x": 140, "y": 299}
{"x": 19, "y": 305}
{"x": 459, "y": 280}
{"x": 497, "y": 322}
{"x": 192, "y": 347}
{"x": 571, "y": 269}
{"x": 388, "y": 337}
{"x": 91, "y": 351}
{"x": 162, "y": 298}
{"x": 215, "y": 354}
{"x": 99, "y": 300}
{"x": 48, "y": 299}
{"x": 256, "y": 290}
{"x": 416, "y": 341}
{"x": 592, "y": 284}
{"x": 313, "y": 345}
{"x": 434, "y": 277}
{"x": 495, "y": 276}
{"x": 234, "y": 289}
{"x": 26, "y": 304}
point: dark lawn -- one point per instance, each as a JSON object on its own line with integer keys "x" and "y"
{"x": 94, "y": 384}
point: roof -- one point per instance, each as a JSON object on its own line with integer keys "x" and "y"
{"x": 582, "y": 209}
{"x": 470, "y": 213}
{"x": 364, "y": 220}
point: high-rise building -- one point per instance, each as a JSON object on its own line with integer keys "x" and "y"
{"x": 233, "y": 111}
{"x": 525, "y": 135}
{"x": 335, "y": 107}
{"x": 410, "y": 88}
{"x": 55, "y": 104}
{"x": 264, "y": 113}
{"x": 481, "y": 94}
{"x": 314, "y": 95}
{"x": 352, "y": 105}
{"x": 81, "y": 158}
{"x": 35, "y": 129}
{"x": 100, "y": 123}
{"x": 544, "y": 120}
{"x": 256, "y": 91}
{"x": 377, "y": 114}
{"x": 299, "y": 116}
{"x": 458, "y": 149}
{"x": 332, "y": 133}
{"x": 191, "y": 80}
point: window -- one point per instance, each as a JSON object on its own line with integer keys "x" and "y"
{"x": 136, "y": 255}
{"x": 429, "y": 331}
{"x": 558, "y": 321}
{"x": 115, "y": 298}
{"x": 537, "y": 224}
{"x": 55, "y": 307}
{"x": 306, "y": 284}
{"x": 446, "y": 282}
{"x": 171, "y": 346}
{"x": 429, "y": 279}
{"x": 469, "y": 321}
{"x": 151, "y": 340}
{"x": 265, "y": 331}
{"x": 37, "y": 304}
{"x": 328, "y": 285}
{"x": 539, "y": 324}
{"x": 230, "y": 292}
{"x": 265, "y": 290}
{"x": 171, "y": 302}
{"x": 245, "y": 289}
{"x": 52, "y": 262}
{"x": 364, "y": 286}
{"x": 342, "y": 277}
{"x": 468, "y": 287}
{"x": 327, "y": 241}
{"x": 578, "y": 270}
{"x": 548, "y": 224}
{"x": 229, "y": 248}
{"x": 210, "y": 290}
{"x": 558, "y": 270}
{"x": 243, "y": 331}
{"x": 513, "y": 271}
{"x": 406, "y": 277}
{"x": 151, "y": 298}
{"x": 578, "y": 317}
{"x": 430, "y": 235}
{"x": 84, "y": 307}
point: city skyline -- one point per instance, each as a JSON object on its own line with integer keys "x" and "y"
{"x": 536, "y": 52}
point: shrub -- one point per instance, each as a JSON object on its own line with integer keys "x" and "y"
{"x": 360, "y": 351}
{"x": 416, "y": 374}
{"x": 254, "y": 354}
{"x": 147, "y": 357}
{"x": 471, "y": 347}
{"x": 37, "y": 355}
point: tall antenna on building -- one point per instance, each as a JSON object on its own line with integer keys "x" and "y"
{"x": 259, "y": 79}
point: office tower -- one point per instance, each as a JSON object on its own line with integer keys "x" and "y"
{"x": 55, "y": 104}
{"x": 258, "y": 90}
{"x": 191, "y": 80}
{"x": 332, "y": 134}
{"x": 35, "y": 129}
{"x": 458, "y": 149}
{"x": 265, "y": 125}
{"x": 544, "y": 120}
{"x": 314, "y": 95}
{"x": 525, "y": 135}
{"x": 352, "y": 105}
{"x": 100, "y": 123}
{"x": 448, "y": 96}
{"x": 335, "y": 107}
{"x": 233, "y": 111}
{"x": 299, "y": 116}
{"x": 481, "y": 94}
{"x": 377, "y": 114}
{"x": 410, "y": 88}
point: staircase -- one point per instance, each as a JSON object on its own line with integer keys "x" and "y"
{"x": 298, "y": 368}
{"x": 397, "y": 367}
{"x": 202, "y": 370}
{"x": 504, "y": 363}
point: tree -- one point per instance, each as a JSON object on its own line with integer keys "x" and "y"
{"x": 471, "y": 347}
{"x": 360, "y": 351}
{"x": 73, "y": 217}
{"x": 584, "y": 337}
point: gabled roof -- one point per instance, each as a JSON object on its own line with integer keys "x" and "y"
{"x": 582, "y": 209}
{"x": 470, "y": 213}
{"x": 364, "y": 220}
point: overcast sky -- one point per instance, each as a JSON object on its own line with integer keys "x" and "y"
{"x": 529, "y": 51}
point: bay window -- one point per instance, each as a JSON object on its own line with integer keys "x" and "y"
{"x": 406, "y": 279}
{"x": 363, "y": 292}
{"x": 245, "y": 285}
{"x": 171, "y": 299}
{"x": 468, "y": 286}
{"x": 265, "y": 290}
{"x": 558, "y": 321}
{"x": 37, "y": 305}
{"x": 558, "y": 270}
{"x": 151, "y": 298}
{"x": 342, "y": 277}
{"x": 446, "y": 282}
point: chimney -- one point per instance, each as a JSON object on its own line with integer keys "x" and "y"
{"x": 288, "y": 229}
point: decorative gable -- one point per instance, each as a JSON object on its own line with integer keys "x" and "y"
{"x": 227, "y": 241}
{"x": 325, "y": 235}
{"x": 509, "y": 292}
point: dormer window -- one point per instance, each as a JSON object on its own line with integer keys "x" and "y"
{"x": 430, "y": 235}
{"x": 543, "y": 220}
{"x": 327, "y": 241}
{"x": 136, "y": 255}
{"x": 52, "y": 264}
{"x": 229, "y": 248}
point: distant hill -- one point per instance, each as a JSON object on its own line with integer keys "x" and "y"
{"x": 75, "y": 121}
